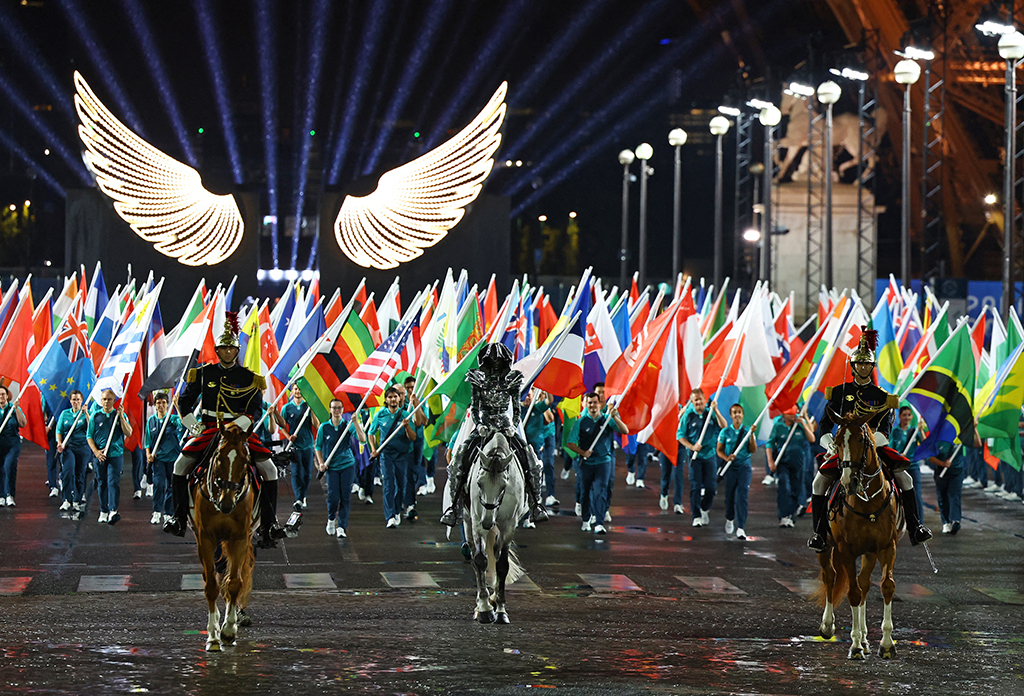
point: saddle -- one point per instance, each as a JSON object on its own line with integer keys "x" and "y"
{"x": 836, "y": 496}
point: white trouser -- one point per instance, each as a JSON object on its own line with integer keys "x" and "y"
{"x": 186, "y": 462}
{"x": 820, "y": 484}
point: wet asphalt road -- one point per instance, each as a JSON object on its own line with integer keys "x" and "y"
{"x": 653, "y": 606}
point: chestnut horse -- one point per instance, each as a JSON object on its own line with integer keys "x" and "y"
{"x": 866, "y": 524}
{"x": 223, "y": 515}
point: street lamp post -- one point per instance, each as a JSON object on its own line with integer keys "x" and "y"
{"x": 719, "y": 126}
{"x": 643, "y": 152}
{"x": 906, "y": 73}
{"x": 828, "y": 94}
{"x": 676, "y": 138}
{"x": 769, "y": 117}
{"x": 1011, "y": 49}
{"x": 626, "y": 158}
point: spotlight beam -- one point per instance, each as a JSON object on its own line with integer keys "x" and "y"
{"x": 105, "y": 70}
{"x": 24, "y": 107}
{"x": 321, "y": 17}
{"x": 425, "y": 40}
{"x": 27, "y": 50}
{"x": 506, "y": 26}
{"x": 266, "y": 12}
{"x": 158, "y": 71}
{"x": 11, "y": 144}
{"x": 570, "y": 94}
{"x": 364, "y": 64}
{"x": 211, "y": 47}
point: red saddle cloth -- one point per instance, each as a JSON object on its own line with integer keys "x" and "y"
{"x": 890, "y": 458}
{"x": 200, "y": 442}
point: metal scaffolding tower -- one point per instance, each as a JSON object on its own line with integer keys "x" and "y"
{"x": 934, "y": 249}
{"x": 867, "y": 219}
{"x": 819, "y": 166}
{"x": 743, "y": 206}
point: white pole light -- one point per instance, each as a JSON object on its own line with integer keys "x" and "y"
{"x": 829, "y": 92}
{"x": 719, "y": 125}
{"x": 644, "y": 151}
{"x": 907, "y": 72}
{"x": 676, "y": 137}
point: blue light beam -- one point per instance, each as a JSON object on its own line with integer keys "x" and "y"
{"x": 157, "y": 70}
{"x": 364, "y": 64}
{"x": 266, "y": 11}
{"x": 11, "y": 144}
{"x": 211, "y": 47}
{"x": 321, "y": 17}
{"x": 414, "y": 65}
{"x": 80, "y": 26}
{"x": 22, "y": 46}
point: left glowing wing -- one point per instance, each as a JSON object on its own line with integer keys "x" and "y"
{"x": 416, "y": 204}
{"x": 162, "y": 199}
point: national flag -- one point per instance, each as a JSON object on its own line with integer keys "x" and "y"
{"x": 65, "y": 301}
{"x": 292, "y": 354}
{"x": 1000, "y": 402}
{"x": 42, "y": 322}
{"x": 103, "y": 335}
{"x": 7, "y": 306}
{"x": 373, "y": 375}
{"x": 744, "y": 359}
{"x": 942, "y": 395}
{"x": 262, "y": 351}
{"x": 283, "y": 314}
{"x": 389, "y": 311}
{"x": 601, "y": 345}
{"x": 121, "y": 361}
{"x": 96, "y": 301}
{"x": 491, "y": 304}
{"x": 369, "y": 316}
{"x": 890, "y": 362}
{"x": 790, "y": 379}
{"x": 559, "y": 370}
{"x": 183, "y": 352}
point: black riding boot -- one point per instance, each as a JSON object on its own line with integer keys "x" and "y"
{"x": 819, "y": 514}
{"x": 915, "y": 530}
{"x": 270, "y": 530}
{"x": 533, "y": 488}
{"x": 179, "y": 501}
{"x": 450, "y": 518}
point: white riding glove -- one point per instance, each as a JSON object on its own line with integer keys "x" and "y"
{"x": 881, "y": 440}
{"x": 243, "y": 422}
{"x": 827, "y": 443}
{"x": 191, "y": 424}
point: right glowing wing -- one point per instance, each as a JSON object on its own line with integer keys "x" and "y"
{"x": 415, "y": 205}
{"x": 162, "y": 199}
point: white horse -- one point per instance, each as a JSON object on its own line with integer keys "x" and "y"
{"x": 492, "y": 510}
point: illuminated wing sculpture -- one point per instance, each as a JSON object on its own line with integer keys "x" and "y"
{"x": 416, "y": 204}
{"x": 161, "y": 199}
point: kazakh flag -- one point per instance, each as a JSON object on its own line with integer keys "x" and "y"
{"x": 942, "y": 395}
{"x": 890, "y": 362}
{"x": 999, "y": 416}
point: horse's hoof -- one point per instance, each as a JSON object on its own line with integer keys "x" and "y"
{"x": 856, "y": 654}
{"x": 227, "y": 639}
{"x": 212, "y": 646}
{"x": 887, "y": 653}
{"x": 502, "y": 618}
{"x": 826, "y": 632}
{"x": 244, "y": 620}
{"x": 485, "y": 617}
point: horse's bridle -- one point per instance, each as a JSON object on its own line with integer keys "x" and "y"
{"x": 863, "y": 479}
{"x": 502, "y": 471}
{"x": 212, "y": 483}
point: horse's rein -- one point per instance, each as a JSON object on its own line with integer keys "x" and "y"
{"x": 241, "y": 488}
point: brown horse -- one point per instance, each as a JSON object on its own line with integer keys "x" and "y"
{"x": 866, "y": 524}
{"x": 223, "y": 503}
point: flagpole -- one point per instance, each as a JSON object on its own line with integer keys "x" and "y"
{"x": 910, "y": 441}
{"x": 956, "y": 451}
{"x": 302, "y": 422}
{"x": 63, "y": 443}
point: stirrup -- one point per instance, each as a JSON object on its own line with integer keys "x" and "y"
{"x": 450, "y": 518}
{"x": 817, "y": 543}
{"x": 920, "y": 535}
{"x": 538, "y": 513}
{"x": 174, "y": 526}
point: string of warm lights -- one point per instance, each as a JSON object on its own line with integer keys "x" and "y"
{"x": 162, "y": 199}
{"x": 415, "y": 205}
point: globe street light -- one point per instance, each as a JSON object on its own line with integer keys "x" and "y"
{"x": 676, "y": 138}
{"x": 769, "y": 117}
{"x": 719, "y": 126}
{"x": 1011, "y": 49}
{"x": 644, "y": 152}
{"x": 906, "y": 72}
{"x": 828, "y": 94}
{"x": 626, "y": 158}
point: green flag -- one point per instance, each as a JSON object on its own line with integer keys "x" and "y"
{"x": 999, "y": 416}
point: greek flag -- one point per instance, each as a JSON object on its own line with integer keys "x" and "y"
{"x": 124, "y": 353}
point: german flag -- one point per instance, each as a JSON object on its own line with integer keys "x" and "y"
{"x": 346, "y": 345}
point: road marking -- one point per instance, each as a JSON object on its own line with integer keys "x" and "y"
{"x": 710, "y": 585}
{"x": 13, "y": 586}
{"x": 192, "y": 581}
{"x": 409, "y": 579}
{"x": 104, "y": 583}
{"x": 804, "y": 587}
{"x": 610, "y": 583}
{"x": 309, "y": 581}
{"x": 913, "y": 592}
{"x": 1004, "y": 596}
{"x": 524, "y": 584}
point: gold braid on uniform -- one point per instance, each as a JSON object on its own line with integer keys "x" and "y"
{"x": 228, "y": 392}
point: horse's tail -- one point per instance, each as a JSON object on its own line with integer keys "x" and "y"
{"x": 515, "y": 570}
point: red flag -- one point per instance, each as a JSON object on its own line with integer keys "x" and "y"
{"x": 31, "y": 402}
{"x": 134, "y": 407}
{"x": 978, "y": 338}
{"x": 18, "y": 352}
{"x": 793, "y": 375}
{"x": 546, "y": 319}
{"x": 634, "y": 375}
{"x": 369, "y": 317}
{"x": 491, "y": 305}
{"x": 42, "y": 325}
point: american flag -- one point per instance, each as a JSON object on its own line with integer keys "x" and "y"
{"x": 378, "y": 369}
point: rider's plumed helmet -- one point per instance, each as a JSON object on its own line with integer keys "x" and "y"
{"x": 229, "y": 337}
{"x": 495, "y": 357}
{"x": 865, "y": 352}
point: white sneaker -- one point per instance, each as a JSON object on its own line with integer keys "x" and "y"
{"x": 630, "y": 478}
{"x": 640, "y": 483}
{"x": 586, "y": 526}
{"x": 137, "y": 494}
{"x": 663, "y": 502}
{"x": 391, "y": 523}
{"x": 65, "y": 505}
{"x": 968, "y": 481}
{"x": 376, "y": 480}
{"x": 740, "y": 534}
{"x": 528, "y": 524}
{"x": 786, "y": 522}
{"x": 431, "y": 487}
{"x": 104, "y": 516}
{"x": 768, "y": 480}
{"x": 398, "y": 520}
{"x": 578, "y": 510}
{"x": 991, "y": 487}
{"x": 303, "y": 503}
{"x": 332, "y": 527}
{"x": 946, "y": 526}
{"x": 10, "y": 501}
{"x": 565, "y": 474}
{"x": 156, "y": 518}
{"x": 3, "y": 502}
{"x": 607, "y": 516}
{"x": 697, "y": 522}
{"x": 599, "y": 529}
{"x": 551, "y": 500}
{"x": 730, "y": 526}
{"x": 76, "y": 506}
{"x": 678, "y": 509}
{"x": 340, "y": 534}
{"x": 369, "y": 500}
{"x": 704, "y": 517}
{"x": 149, "y": 491}
{"x": 422, "y": 490}
{"x": 357, "y": 489}
{"x": 54, "y": 492}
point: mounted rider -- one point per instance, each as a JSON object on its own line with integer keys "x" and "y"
{"x": 496, "y": 389}
{"x": 227, "y": 392}
{"x": 861, "y": 394}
